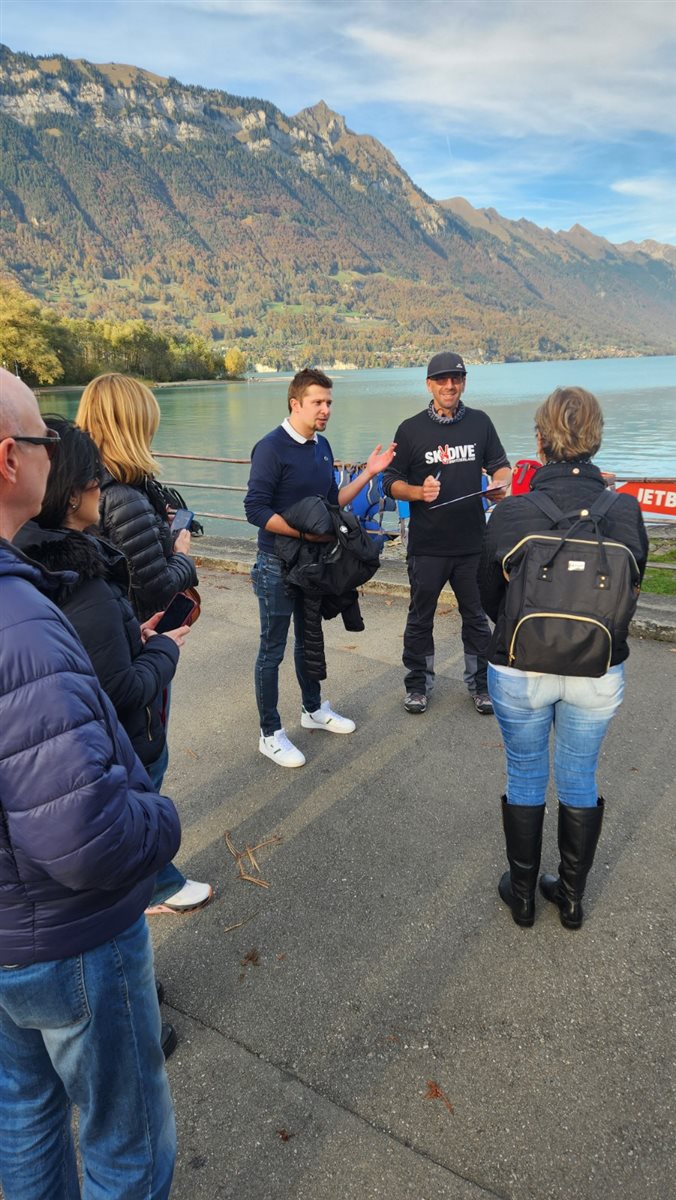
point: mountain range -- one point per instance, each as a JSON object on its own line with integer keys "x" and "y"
{"x": 124, "y": 194}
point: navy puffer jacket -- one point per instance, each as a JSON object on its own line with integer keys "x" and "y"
{"x": 82, "y": 834}
{"x": 133, "y": 674}
{"x": 129, "y": 520}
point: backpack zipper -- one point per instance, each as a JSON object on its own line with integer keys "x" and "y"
{"x": 546, "y": 537}
{"x": 560, "y": 617}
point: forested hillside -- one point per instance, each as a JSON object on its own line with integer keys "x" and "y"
{"x": 126, "y": 196}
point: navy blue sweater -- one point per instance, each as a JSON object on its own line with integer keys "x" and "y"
{"x": 284, "y": 471}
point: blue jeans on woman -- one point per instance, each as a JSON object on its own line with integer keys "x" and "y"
{"x": 85, "y": 1031}
{"x": 580, "y": 710}
{"x": 169, "y": 880}
{"x": 277, "y": 608}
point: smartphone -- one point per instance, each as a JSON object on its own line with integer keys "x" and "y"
{"x": 176, "y": 613}
{"x": 183, "y": 519}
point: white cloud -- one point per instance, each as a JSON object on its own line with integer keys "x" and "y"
{"x": 659, "y": 187}
{"x": 524, "y": 66}
{"x": 250, "y": 9}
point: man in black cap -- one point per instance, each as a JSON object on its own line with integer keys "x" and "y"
{"x": 442, "y": 453}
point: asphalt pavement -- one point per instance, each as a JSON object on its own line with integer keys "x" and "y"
{"x": 372, "y": 1023}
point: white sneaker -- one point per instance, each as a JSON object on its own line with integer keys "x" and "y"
{"x": 281, "y": 749}
{"x": 191, "y": 896}
{"x": 326, "y": 718}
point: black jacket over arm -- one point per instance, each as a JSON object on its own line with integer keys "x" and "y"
{"x": 569, "y": 485}
{"x": 325, "y": 575}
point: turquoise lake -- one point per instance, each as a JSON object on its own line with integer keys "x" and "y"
{"x": 638, "y": 397}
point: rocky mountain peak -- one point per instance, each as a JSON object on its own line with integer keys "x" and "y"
{"x": 323, "y": 122}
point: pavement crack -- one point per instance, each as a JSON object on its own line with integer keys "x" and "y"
{"x": 288, "y": 1073}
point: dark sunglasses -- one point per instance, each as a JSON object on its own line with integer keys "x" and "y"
{"x": 50, "y": 441}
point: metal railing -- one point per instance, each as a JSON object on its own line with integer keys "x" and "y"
{"x": 208, "y": 487}
{"x": 245, "y": 462}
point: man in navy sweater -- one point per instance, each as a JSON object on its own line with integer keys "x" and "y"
{"x": 288, "y": 464}
{"x": 442, "y": 453}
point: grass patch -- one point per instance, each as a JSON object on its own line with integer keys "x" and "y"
{"x": 660, "y": 583}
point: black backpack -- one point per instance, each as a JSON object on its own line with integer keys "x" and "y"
{"x": 570, "y": 595}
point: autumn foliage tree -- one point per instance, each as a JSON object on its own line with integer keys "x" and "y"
{"x": 235, "y": 363}
{"x": 25, "y": 336}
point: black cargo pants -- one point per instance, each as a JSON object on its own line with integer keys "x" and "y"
{"x": 427, "y": 575}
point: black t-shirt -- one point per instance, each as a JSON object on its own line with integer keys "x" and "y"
{"x": 457, "y": 453}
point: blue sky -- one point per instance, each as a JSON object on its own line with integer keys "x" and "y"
{"x": 560, "y": 111}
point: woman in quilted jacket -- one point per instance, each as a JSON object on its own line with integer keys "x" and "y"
{"x": 122, "y": 416}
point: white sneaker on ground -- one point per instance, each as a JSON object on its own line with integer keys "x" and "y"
{"x": 326, "y": 718}
{"x": 281, "y": 749}
{"x": 191, "y": 896}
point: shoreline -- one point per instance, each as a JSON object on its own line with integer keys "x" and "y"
{"x": 339, "y": 369}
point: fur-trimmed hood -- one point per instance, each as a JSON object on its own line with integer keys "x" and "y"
{"x": 90, "y": 557}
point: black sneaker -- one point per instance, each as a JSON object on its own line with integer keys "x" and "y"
{"x": 482, "y": 704}
{"x": 415, "y": 702}
{"x": 168, "y": 1039}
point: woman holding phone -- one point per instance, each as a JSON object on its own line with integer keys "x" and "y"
{"x": 122, "y": 416}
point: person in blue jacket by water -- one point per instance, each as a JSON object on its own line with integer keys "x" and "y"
{"x": 82, "y": 836}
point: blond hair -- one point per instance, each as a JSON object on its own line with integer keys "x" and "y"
{"x": 570, "y": 424}
{"x": 121, "y": 415}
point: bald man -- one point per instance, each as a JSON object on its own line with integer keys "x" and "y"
{"x": 81, "y": 838}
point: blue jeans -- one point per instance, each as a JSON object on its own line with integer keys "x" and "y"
{"x": 276, "y": 610}
{"x": 85, "y": 1031}
{"x": 580, "y": 711}
{"x": 169, "y": 880}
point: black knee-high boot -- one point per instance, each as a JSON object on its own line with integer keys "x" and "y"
{"x": 579, "y": 830}
{"x": 522, "y": 824}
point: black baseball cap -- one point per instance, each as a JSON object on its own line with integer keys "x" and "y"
{"x": 445, "y": 363}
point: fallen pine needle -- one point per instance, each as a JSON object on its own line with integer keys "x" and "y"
{"x": 228, "y": 842}
{"x": 434, "y": 1092}
{"x": 252, "y": 879}
{"x": 248, "y": 854}
{"x": 238, "y": 924}
{"x": 275, "y": 840}
{"x": 191, "y": 752}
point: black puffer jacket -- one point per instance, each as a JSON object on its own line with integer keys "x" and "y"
{"x": 133, "y": 675}
{"x": 129, "y": 519}
{"x": 570, "y": 485}
{"x": 325, "y": 574}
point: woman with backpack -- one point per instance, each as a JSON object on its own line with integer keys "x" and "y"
{"x": 561, "y": 669}
{"x": 122, "y": 416}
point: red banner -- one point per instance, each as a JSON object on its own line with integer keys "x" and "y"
{"x": 657, "y": 497}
